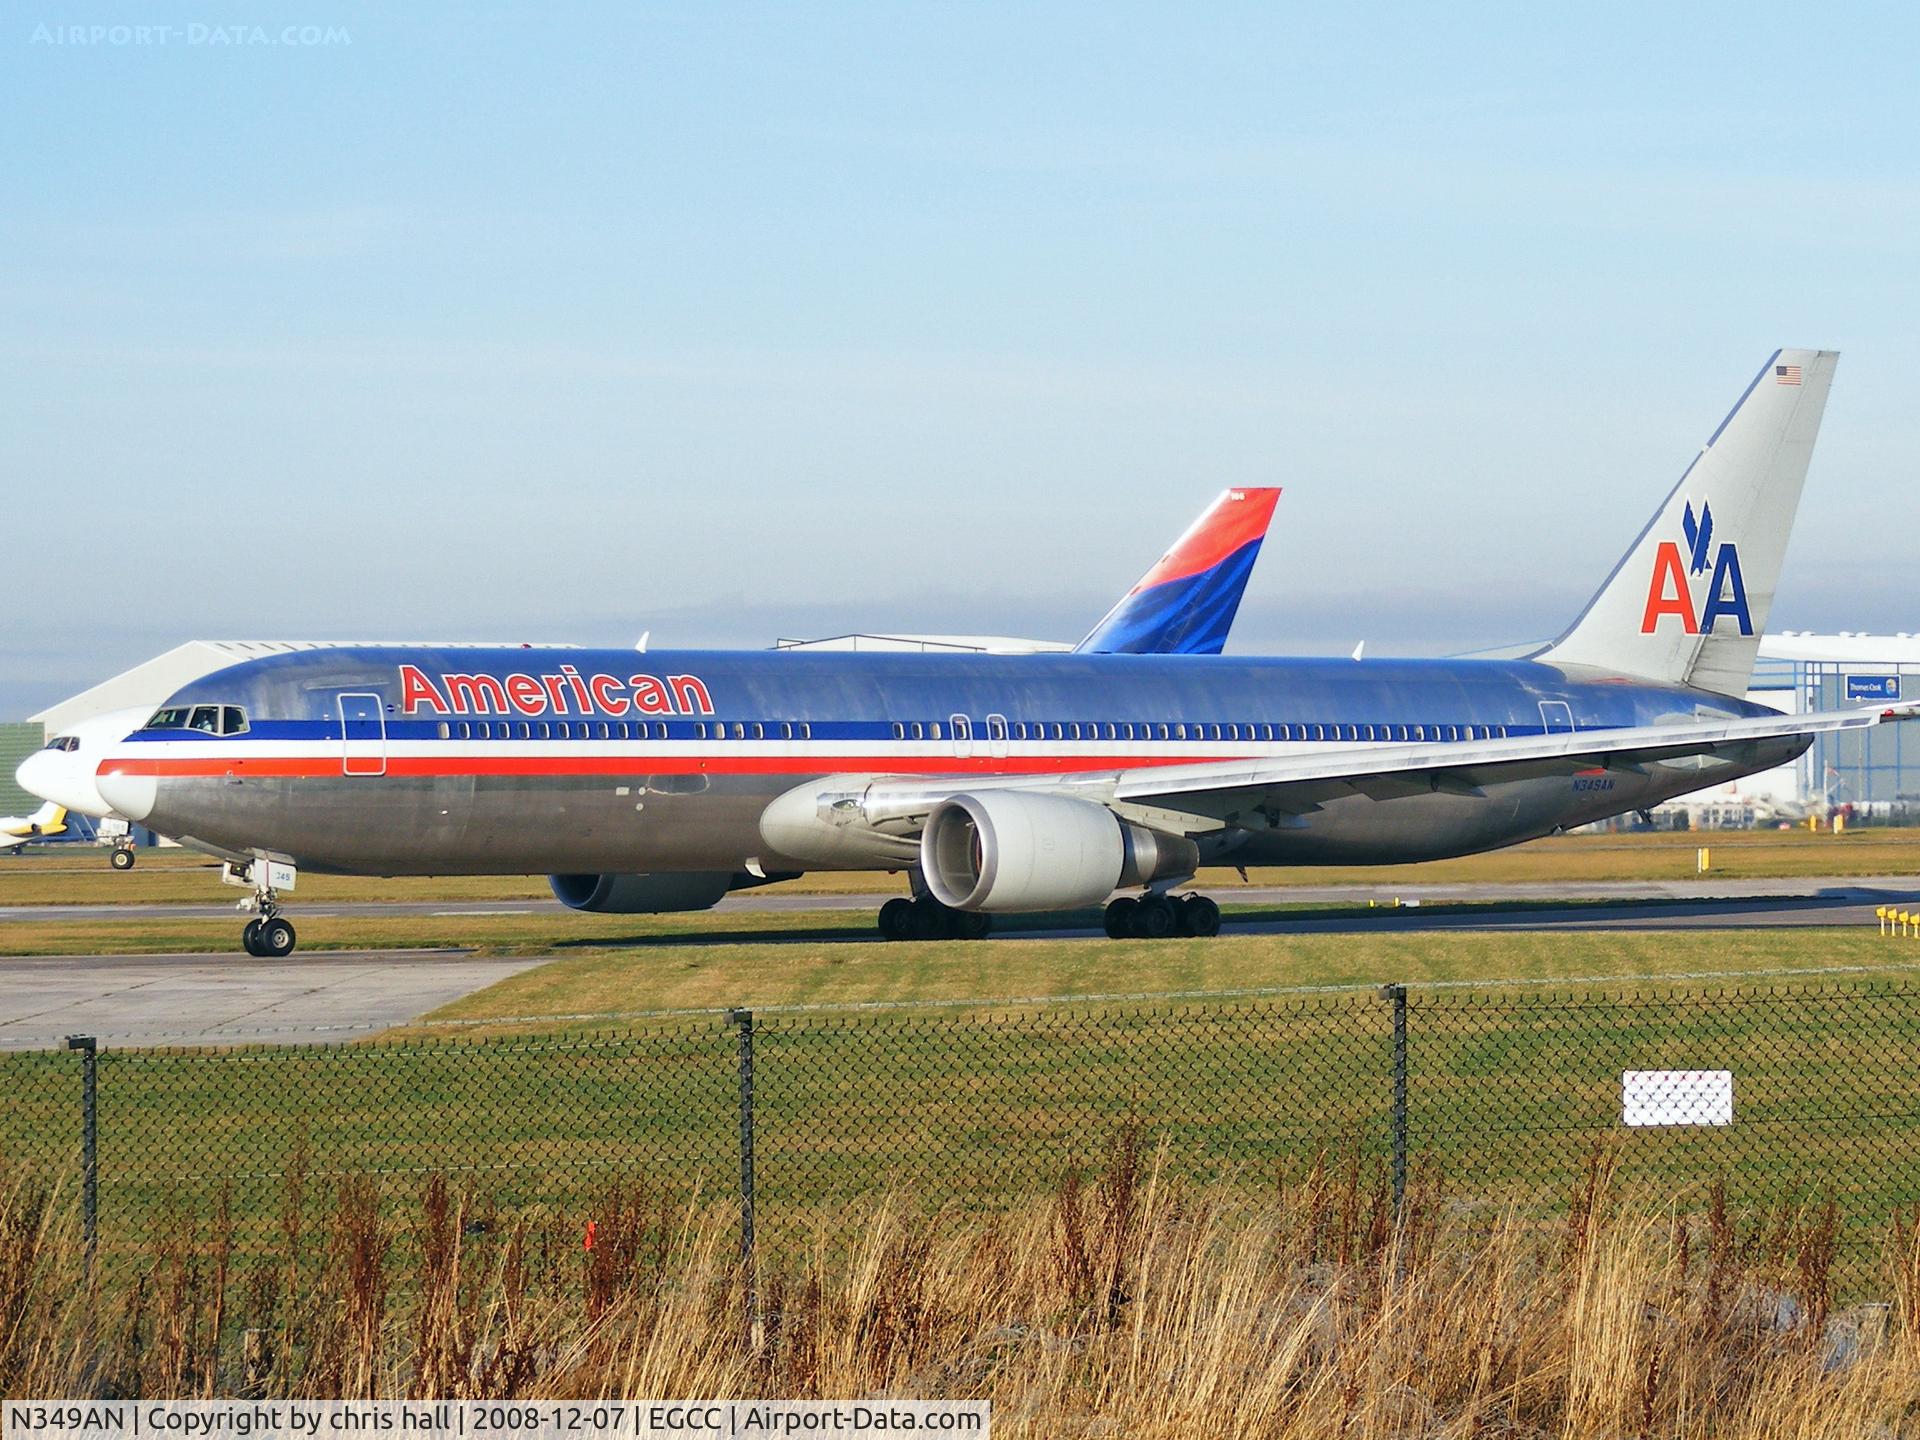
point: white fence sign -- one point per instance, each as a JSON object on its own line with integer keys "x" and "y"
{"x": 1676, "y": 1097}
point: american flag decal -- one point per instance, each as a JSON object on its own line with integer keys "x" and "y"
{"x": 1786, "y": 374}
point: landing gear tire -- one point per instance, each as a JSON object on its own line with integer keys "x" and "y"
{"x": 970, "y": 924}
{"x": 1199, "y": 916}
{"x": 276, "y": 938}
{"x": 250, "y": 939}
{"x": 1155, "y": 918}
{"x": 925, "y": 918}
{"x": 896, "y": 918}
{"x": 121, "y": 859}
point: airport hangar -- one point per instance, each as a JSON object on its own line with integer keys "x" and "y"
{"x": 1875, "y": 771}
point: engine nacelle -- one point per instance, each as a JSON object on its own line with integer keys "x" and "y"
{"x": 1002, "y": 850}
{"x": 642, "y": 894}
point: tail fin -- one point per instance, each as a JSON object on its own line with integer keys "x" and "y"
{"x": 1185, "y": 604}
{"x": 1688, "y": 602}
{"x": 49, "y": 819}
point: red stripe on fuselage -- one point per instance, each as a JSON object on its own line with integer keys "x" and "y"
{"x": 323, "y": 766}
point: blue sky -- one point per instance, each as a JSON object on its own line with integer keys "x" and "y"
{"x": 731, "y": 322}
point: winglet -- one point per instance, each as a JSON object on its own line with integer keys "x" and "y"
{"x": 1186, "y": 603}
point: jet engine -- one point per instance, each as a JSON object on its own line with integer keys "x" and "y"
{"x": 1002, "y": 850}
{"x": 643, "y": 894}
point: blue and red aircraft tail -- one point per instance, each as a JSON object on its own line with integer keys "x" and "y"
{"x": 1185, "y": 604}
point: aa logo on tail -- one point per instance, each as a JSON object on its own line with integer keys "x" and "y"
{"x": 1670, "y": 591}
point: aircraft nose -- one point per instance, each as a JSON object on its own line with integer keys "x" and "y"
{"x": 129, "y": 795}
{"x": 33, "y": 776}
{"x": 62, "y": 776}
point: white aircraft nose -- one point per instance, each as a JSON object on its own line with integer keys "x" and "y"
{"x": 62, "y": 777}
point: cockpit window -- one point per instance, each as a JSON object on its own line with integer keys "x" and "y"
{"x": 209, "y": 719}
{"x": 67, "y": 743}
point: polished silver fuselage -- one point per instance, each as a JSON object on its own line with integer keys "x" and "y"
{"x": 416, "y": 789}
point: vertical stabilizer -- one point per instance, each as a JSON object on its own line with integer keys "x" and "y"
{"x": 1689, "y": 601}
{"x": 1186, "y": 603}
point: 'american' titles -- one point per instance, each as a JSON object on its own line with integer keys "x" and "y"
{"x": 565, "y": 692}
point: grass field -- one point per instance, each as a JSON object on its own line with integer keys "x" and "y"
{"x": 1508, "y": 1094}
{"x": 79, "y": 875}
{"x": 1133, "y": 1305}
{"x": 985, "y": 977}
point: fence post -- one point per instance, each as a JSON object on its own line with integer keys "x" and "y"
{"x": 89, "y": 1145}
{"x": 1397, "y": 996}
{"x": 742, "y": 1021}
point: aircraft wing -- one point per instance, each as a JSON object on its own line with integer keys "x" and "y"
{"x": 1256, "y": 791}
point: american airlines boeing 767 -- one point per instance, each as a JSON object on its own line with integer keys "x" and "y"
{"x": 1002, "y": 783}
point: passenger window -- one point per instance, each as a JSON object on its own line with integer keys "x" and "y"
{"x": 700, "y": 730}
{"x": 919, "y": 731}
{"x": 1073, "y": 730}
{"x": 933, "y": 730}
{"x": 806, "y": 730}
{"x": 786, "y": 729}
{"x": 1165, "y": 732}
{"x": 1419, "y": 732}
{"x": 525, "y": 730}
{"x": 740, "y": 730}
{"x": 446, "y": 731}
{"x": 1180, "y": 732}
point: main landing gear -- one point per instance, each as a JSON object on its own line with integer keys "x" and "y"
{"x": 1156, "y": 917}
{"x": 925, "y": 918}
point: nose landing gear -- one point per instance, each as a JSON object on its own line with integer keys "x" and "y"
{"x": 270, "y": 936}
{"x": 121, "y": 858}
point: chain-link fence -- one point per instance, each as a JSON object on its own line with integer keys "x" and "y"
{"x": 1785, "y": 1096}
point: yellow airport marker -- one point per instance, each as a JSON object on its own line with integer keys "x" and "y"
{"x": 1880, "y": 914}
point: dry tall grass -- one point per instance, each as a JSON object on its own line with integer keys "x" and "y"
{"x": 1128, "y": 1305}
